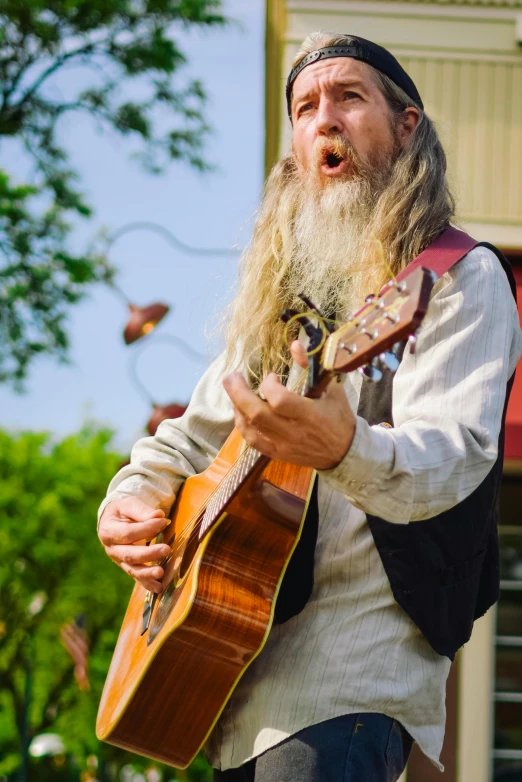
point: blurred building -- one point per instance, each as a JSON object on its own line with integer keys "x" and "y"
{"x": 465, "y": 57}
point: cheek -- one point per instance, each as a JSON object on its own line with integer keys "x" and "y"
{"x": 302, "y": 149}
{"x": 374, "y": 134}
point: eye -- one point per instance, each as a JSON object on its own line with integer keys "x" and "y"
{"x": 304, "y": 107}
{"x": 350, "y": 94}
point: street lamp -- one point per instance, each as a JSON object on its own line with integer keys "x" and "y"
{"x": 143, "y": 320}
{"x": 173, "y": 409}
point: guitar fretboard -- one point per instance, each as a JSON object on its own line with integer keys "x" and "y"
{"x": 232, "y": 481}
{"x": 237, "y": 474}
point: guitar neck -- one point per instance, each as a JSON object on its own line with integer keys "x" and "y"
{"x": 325, "y": 378}
{"x": 246, "y": 464}
{"x": 249, "y": 461}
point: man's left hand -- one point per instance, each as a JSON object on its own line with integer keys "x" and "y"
{"x": 291, "y": 428}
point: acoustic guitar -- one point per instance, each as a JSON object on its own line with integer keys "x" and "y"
{"x": 232, "y": 532}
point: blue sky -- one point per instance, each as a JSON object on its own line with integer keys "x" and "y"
{"x": 210, "y": 210}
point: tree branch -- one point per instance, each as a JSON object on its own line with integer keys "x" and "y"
{"x": 88, "y": 49}
{"x": 65, "y": 680}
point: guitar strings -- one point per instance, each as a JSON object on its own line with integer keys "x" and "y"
{"x": 191, "y": 529}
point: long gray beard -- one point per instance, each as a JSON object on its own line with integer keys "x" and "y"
{"x": 331, "y": 242}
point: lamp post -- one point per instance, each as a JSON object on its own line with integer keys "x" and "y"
{"x": 148, "y": 225}
{"x": 161, "y": 412}
{"x": 143, "y": 320}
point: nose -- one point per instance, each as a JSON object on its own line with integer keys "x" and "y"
{"x": 327, "y": 118}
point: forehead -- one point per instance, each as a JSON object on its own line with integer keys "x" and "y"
{"x": 324, "y": 73}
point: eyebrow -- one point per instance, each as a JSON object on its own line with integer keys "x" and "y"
{"x": 342, "y": 83}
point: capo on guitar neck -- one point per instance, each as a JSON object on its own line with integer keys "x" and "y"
{"x": 327, "y": 323}
{"x": 314, "y": 333}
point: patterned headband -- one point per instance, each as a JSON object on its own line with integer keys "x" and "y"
{"x": 360, "y": 49}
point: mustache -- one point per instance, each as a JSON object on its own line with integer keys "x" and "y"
{"x": 337, "y": 146}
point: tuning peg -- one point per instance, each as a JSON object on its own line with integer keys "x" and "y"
{"x": 390, "y": 360}
{"x": 371, "y": 372}
{"x": 412, "y": 342}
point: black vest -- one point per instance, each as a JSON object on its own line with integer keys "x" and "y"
{"x": 443, "y": 571}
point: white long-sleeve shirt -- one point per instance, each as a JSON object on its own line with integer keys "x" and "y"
{"x": 352, "y": 648}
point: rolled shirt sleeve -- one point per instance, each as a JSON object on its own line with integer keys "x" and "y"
{"x": 448, "y": 400}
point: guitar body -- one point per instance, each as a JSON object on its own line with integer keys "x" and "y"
{"x": 166, "y": 688}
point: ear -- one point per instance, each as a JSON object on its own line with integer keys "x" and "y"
{"x": 408, "y": 122}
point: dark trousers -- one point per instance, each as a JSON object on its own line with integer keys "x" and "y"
{"x": 352, "y": 748}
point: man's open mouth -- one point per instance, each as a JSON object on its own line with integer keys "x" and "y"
{"x": 332, "y": 160}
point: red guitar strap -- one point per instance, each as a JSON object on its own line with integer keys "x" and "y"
{"x": 443, "y": 253}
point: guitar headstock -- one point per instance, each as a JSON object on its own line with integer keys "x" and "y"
{"x": 390, "y": 317}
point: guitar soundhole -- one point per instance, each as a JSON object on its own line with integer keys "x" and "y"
{"x": 176, "y": 568}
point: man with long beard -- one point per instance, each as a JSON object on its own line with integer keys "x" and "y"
{"x": 346, "y": 684}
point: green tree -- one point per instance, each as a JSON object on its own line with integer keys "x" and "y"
{"x": 53, "y": 569}
{"x": 127, "y": 48}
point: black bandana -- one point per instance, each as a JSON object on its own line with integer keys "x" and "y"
{"x": 360, "y": 49}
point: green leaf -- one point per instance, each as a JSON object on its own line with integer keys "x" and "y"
{"x": 53, "y": 562}
{"x": 131, "y": 118}
{"x": 119, "y": 44}
{"x": 156, "y": 54}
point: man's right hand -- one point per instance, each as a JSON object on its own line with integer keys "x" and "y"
{"x": 124, "y": 525}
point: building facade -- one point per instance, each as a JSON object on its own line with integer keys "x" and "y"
{"x": 465, "y": 57}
